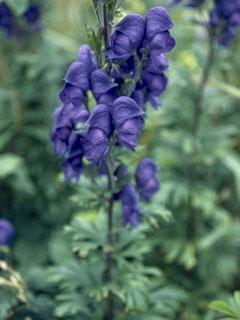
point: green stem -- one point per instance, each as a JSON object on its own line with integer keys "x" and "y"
{"x": 199, "y": 110}
{"x": 107, "y": 19}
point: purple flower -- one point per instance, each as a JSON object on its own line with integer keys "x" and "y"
{"x": 65, "y": 120}
{"x": 126, "y": 38}
{"x": 72, "y": 94}
{"x": 32, "y": 14}
{"x": 191, "y": 3}
{"x": 79, "y": 72}
{"x": 7, "y": 233}
{"x": 130, "y": 206}
{"x": 225, "y": 18}
{"x": 102, "y": 86}
{"x": 157, "y": 62}
{"x": 6, "y": 18}
{"x": 128, "y": 120}
{"x": 87, "y": 56}
{"x": 157, "y": 21}
{"x": 147, "y": 182}
{"x": 155, "y": 85}
{"x": 72, "y": 165}
{"x": 95, "y": 142}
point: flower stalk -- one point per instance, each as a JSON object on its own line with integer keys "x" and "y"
{"x": 198, "y": 102}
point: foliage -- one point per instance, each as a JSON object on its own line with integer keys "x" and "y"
{"x": 229, "y": 310}
{"x": 186, "y": 252}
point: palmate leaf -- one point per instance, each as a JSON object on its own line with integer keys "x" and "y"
{"x": 71, "y": 304}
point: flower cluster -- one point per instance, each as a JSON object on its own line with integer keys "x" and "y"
{"x": 133, "y": 74}
{"x": 192, "y": 3}
{"x": 13, "y": 25}
{"x": 224, "y": 18}
{"x": 7, "y": 233}
{"x": 147, "y": 185}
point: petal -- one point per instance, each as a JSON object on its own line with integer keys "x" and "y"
{"x": 87, "y": 56}
{"x": 78, "y": 75}
{"x": 155, "y": 83}
{"x": 129, "y": 132}
{"x": 133, "y": 26}
{"x": 71, "y": 94}
{"x": 157, "y": 20}
{"x": 72, "y": 168}
{"x": 125, "y": 108}
{"x": 101, "y": 83}
{"x": 121, "y": 44}
{"x": 138, "y": 96}
{"x": 115, "y": 57}
{"x": 100, "y": 119}
{"x": 163, "y": 41}
{"x": 157, "y": 62}
{"x": 95, "y": 145}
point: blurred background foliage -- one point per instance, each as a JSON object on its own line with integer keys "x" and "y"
{"x": 195, "y": 240}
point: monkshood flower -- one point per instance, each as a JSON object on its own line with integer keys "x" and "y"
{"x": 72, "y": 165}
{"x": 148, "y": 47}
{"x": 126, "y": 38}
{"x": 12, "y": 24}
{"x": 32, "y": 16}
{"x": 146, "y": 180}
{"x": 191, "y": 3}
{"x": 159, "y": 41}
{"x": 130, "y": 206}
{"x": 128, "y": 121}
{"x": 102, "y": 87}
{"x": 7, "y": 233}
{"x": 225, "y": 17}
{"x": 134, "y": 73}
{"x": 66, "y": 118}
{"x": 95, "y": 141}
{"x": 6, "y": 19}
{"x": 78, "y": 77}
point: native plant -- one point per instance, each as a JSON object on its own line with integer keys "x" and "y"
{"x": 104, "y": 107}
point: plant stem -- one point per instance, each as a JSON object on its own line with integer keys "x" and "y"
{"x": 197, "y": 115}
{"x": 106, "y": 25}
{"x": 110, "y": 167}
{"x": 198, "y": 111}
{"x": 110, "y": 240}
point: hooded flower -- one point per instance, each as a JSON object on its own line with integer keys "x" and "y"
{"x": 32, "y": 15}
{"x": 126, "y": 38}
{"x": 130, "y": 206}
{"x": 6, "y": 18}
{"x": 72, "y": 165}
{"x": 78, "y": 76}
{"x": 157, "y": 21}
{"x": 72, "y": 94}
{"x": 95, "y": 142}
{"x": 226, "y": 17}
{"x": 128, "y": 120}
{"x": 147, "y": 182}
{"x": 155, "y": 85}
{"x": 7, "y": 233}
{"x": 102, "y": 86}
{"x": 191, "y": 3}
{"x": 65, "y": 120}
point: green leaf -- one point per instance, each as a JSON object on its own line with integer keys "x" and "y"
{"x": 224, "y": 308}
